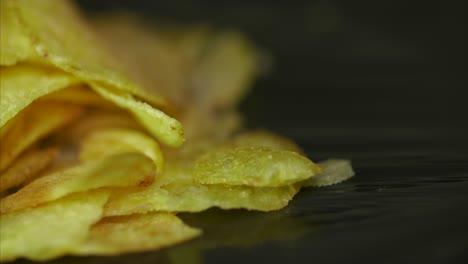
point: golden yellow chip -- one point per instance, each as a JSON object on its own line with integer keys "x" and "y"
{"x": 21, "y": 84}
{"x": 253, "y": 166}
{"x": 55, "y": 69}
{"x": 63, "y": 39}
{"x": 111, "y": 141}
{"x": 26, "y": 167}
{"x": 164, "y": 127}
{"x": 50, "y": 230}
{"x": 15, "y": 44}
{"x": 192, "y": 197}
{"x": 175, "y": 191}
{"x": 32, "y": 124}
{"x": 124, "y": 234}
{"x": 122, "y": 170}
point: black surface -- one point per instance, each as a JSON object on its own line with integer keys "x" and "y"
{"x": 380, "y": 82}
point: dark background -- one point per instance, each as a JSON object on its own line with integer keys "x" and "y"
{"x": 380, "y": 82}
{"x": 348, "y": 71}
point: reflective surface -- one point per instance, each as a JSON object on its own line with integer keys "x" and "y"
{"x": 402, "y": 206}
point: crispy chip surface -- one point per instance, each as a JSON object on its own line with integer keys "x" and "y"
{"x": 21, "y": 84}
{"x": 26, "y": 168}
{"x": 15, "y": 44}
{"x": 190, "y": 197}
{"x": 164, "y": 127}
{"x": 32, "y": 124}
{"x": 176, "y": 191}
{"x": 140, "y": 232}
{"x": 122, "y": 170}
{"x": 253, "y": 166}
{"x": 111, "y": 141}
{"x": 50, "y": 230}
{"x": 65, "y": 40}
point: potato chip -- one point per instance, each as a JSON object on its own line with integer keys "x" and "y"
{"x": 200, "y": 52}
{"x": 21, "y": 84}
{"x": 253, "y": 166}
{"x": 149, "y": 50}
{"x": 79, "y": 94}
{"x": 334, "y": 171}
{"x": 96, "y": 120}
{"x": 176, "y": 191}
{"x": 15, "y": 44}
{"x": 225, "y": 71}
{"x": 117, "y": 235}
{"x": 32, "y": 124}
{"x": 165, "y": 128}
{"x": 5, "y": 128}
{"x": 55, "y": 70}
{"x": 192, "y": 197}
{"x": 26, "y": 167}
{"x": 111, "y": 141}
{"x": 122, "y": 170}
{"x": 50, "y": 230}
{"x": 65, "y": 40}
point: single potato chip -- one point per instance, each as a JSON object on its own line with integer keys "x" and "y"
{"x": 26, "y": 168}
{"x": 122, "y": 170}
{"x": 111, "y": 141}
{"x": 334, "y": 171}
{"x": 32, "y": 124}
{"x": 162, "y": 126}
{"x": 21, "y": 84}
{"x": 134, "y": 233}
{"x": 15, "y": 44}
{"x": 192, "y": 197}
{"x": 253, "y": 166}
{"x": 176, "y": 191}
{"x": 51, "y": 230}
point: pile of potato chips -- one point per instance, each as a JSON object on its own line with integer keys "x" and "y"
{"x": 92, "y": 161}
